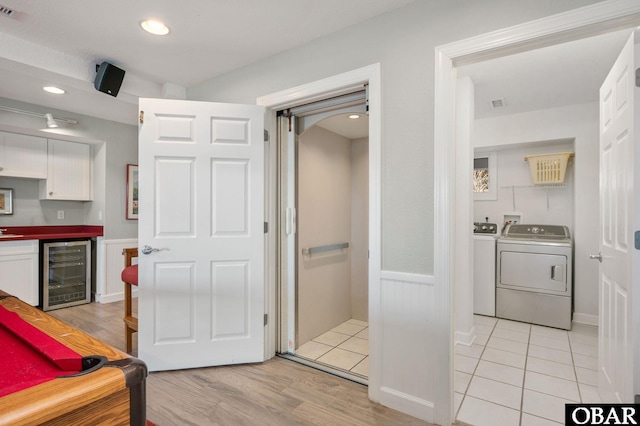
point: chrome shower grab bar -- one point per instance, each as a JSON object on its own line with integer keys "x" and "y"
{"x": 320, "y": 249}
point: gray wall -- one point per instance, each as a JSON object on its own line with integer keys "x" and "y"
{"x": 403, "y": 42}
{"x": 117, "y": 145}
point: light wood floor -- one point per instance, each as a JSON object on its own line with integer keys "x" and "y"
{"x": 276, "y": 392}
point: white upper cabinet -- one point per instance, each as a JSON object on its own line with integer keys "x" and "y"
{"x": 69, "y": 172}
{"x": 23, "y": 156}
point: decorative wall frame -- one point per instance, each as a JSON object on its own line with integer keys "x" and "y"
{"x": 6, "y": 201}
{"x": 132, "y": 191}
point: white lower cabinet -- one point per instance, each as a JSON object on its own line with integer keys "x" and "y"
{"x": 19, "y": 270}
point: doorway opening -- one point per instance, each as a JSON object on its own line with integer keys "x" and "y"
{"x": 280, "y": 333}
{"x": 324, "y": 187}
{"x": 532, "y": 360}
{"x": 470, "y": 51}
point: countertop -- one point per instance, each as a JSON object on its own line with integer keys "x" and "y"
{"x": 17, "y": 233}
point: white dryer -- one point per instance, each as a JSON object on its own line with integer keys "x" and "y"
{"x": 534, "y": 275}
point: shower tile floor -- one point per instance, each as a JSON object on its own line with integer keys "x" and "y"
{"x": 518, "y": 374}
{"x": 345, "y": 347}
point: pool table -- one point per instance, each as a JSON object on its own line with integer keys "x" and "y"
{"x": 39, "y": 383}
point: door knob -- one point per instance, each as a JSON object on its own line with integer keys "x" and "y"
{"x": 597, "y": 257}
{"x": 148, "y": 250}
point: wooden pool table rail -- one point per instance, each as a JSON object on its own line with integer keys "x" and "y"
{"x": 73, "y": 338}
{"x": 103, "y": 397}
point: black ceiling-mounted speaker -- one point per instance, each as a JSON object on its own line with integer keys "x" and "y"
{"x": 109, "y": 78}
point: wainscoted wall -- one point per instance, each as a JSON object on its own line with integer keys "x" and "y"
{"x": 406, "y": 324}
{"x": 109, "y": 287}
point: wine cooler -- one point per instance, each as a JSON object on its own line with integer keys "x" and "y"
{"x": 66, "y": 274}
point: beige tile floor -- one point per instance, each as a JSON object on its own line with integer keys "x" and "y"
{"x": 345, "y": 347}
{"x": 518, "y": 374}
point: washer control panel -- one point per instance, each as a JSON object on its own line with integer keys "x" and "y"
{"x": 553, "y": 232}
{"x": 485, "y": 228}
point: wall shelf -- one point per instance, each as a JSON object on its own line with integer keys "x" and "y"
{"x": 543, "y": 186}
{"x": 546, "y": 186}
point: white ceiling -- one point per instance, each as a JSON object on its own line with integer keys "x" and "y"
{"x": 347, "y": 127}
{"x": 555, "y": 76}
{"x": 50, "y": 42}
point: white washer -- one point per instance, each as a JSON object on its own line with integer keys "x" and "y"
{"x": 534, "y": 275}
{"x": 484, "y": 269}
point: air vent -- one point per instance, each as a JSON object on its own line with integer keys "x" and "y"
{"x": 497, "y": 103}
{"x": 6, "y": 11}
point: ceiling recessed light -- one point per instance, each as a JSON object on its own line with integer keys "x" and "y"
{"x": 354, "y": 116}
{"x": 53, "y": 89}
{"x": 154, "y": 27}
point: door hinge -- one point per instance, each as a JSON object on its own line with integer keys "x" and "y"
{"x": 141, "y": 117}
{"x": 266, "y": 227}
{"x": 266, "y": 319}
{"x": 637, "y": 240}
{"x": 638, "y": 77}
{"x": 266, "y": 135}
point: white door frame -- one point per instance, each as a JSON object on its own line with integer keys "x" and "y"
{"x": 580, "y": 23}
{"x": 318, "y": 90}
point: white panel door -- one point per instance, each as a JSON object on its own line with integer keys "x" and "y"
{"x": 201, "y": 289}
{"x": 619, "y": 191}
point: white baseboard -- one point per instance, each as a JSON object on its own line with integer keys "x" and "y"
{"x": 466, "y": 338}
{"x": 110, "y": 287}
{"x": 407, "y": 277}
{"x": 587, "y": 319}
{"x": 114, "y": 297}
{"x": 408, "y": 404}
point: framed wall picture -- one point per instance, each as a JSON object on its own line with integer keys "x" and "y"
{"x": 132, "y": 191}
{"x": 6, "y": 201}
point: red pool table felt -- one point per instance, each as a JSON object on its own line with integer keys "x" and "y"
{"x": 29, "y": 356}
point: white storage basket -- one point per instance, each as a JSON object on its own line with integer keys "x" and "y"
{"x": 548, "y": 168}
